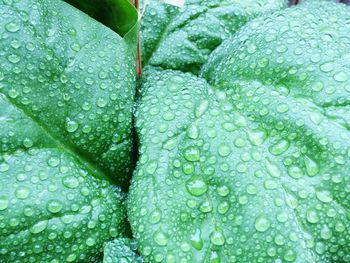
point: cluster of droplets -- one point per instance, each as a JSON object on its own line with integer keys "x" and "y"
{"x": 65, "y": 113}
{"x": 183, "y": 40}
{"x": 254, "y": 171}
{"x": 55, "y": 210}
{"x": 68, "y": 81}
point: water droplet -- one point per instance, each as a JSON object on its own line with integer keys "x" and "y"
{"x": 279, "y": 148}
{"x": 192, "y": 154}
{"x": 295, "y": 172}
{"x": 193, "y": 132}
{"x": 13, "y": 58}
{"x": 160, "y": 238}
{"x": 290, "y": 255}
{"x": 217, "y": 237}
{"x": 272, "y": 169}
{"x": 71, "y": 126}
{"x": 101, "y": 102}
{"x": 22, "y": 192}
{"x": 201, "y": 109}
{"x": 12, "y": 27}
{"x": 224, "y": 150}
{"x": 196, "y": 240}
{"x": 311, "y": 166}
{"x": 53, "y": 161}
{"x": 341, "y": 77}
{"x": 312, "y": 216}
{"x": 324, "y": 196}
{"x": 155, "y": 216}
{"x": 54, "y": 206}
{"x": 196, "y": 186}
{"x": 4, "y": 167}
{"x": 90, "y": 242}
{"x": 4, "y": 202}
{"x": 39, "y": 227}
{"x": 70, "y": 182}
{"x": 262, "y": 223}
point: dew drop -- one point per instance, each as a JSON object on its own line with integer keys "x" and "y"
{"x": 196, "y": 186}
{"x": 262, "y": 223}
{"x": 4, "y": 202}
{"x": 12, "y": 27}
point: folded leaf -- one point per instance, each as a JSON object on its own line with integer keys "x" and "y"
{"x": 250, "y": 163}
{"x": 182, "y": 39}
{"x": 66, "y": 93}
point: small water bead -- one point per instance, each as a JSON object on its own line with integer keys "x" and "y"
{"x": 196, "y": 240}
{"x": 311, "y": 166}
{"x": 279, "y": 148}
{"x": 192, "y": 154}
{"x": 217, "y": 237}
{"x": 39, "y": 227}
{"x": 22, "y": 192}
{"x": 272, "y": 169}
{"x": 13, "y": 58}
{"x": 223, "y": 190}
{"x": 71, "y": 126}
{"x": 327, "y": 67}
{"x": 151, "y": 167}
{"x": 262, "y": 223}
{"x": 90, "y": 242}
{"x": 101, "y": 102}
{"x": 341, "y": 76}
{"x": 290, "y": 255}
{"x": 28, "y": 143}
{"x": 4, "y": 202}
{"x": 54, "y": 206}
{"x": 193, "y": 131}
{"x": 295, "y": 172}
{"x": 206, "y": 206}
{"x": 4, "y": 167}
{"x": 160, "y": 238}
{"x": 324, "y": 196}
{"x": 53, "y": 161}
{"x": 196, "y": 186}
{"x": 12, "y": 27}
{"x": 70, "y": 181}
{"x": 224, "y": 150}
{"x": 312, "y": 216}
{"x": 155, "y": 216}
{"x": 202, "y": 108}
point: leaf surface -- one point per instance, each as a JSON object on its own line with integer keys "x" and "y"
{"x": 250, "y": 161}
{"x": 66, "y": 92}
{"x": 174, "y": 38}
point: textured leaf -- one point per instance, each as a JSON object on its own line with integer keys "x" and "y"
{"x": 251, "y": 163}
{"x": 66, "y": 92}
{"x": 183, "y": 38}
{"x": 120, "y": 250}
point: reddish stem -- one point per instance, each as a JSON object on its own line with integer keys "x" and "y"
{"x": 138, "y": 52}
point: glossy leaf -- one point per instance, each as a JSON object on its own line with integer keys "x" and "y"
{"x": 66, "y": 93}
{"x": 183, "y": 38}
{"x": 250, "y": 163}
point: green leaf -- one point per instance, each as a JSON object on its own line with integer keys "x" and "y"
{"x": 120, "y": 250}
{"x": 182, "y": 39}
{"x": 66, "y": 92}
{"x": 119, "y": 15}
{"x": 250, "y": 163}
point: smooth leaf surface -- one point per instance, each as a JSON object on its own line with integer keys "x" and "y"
{"x": 174, "y": 38}
{"x": 250, "y": 163}
{"x": 66, "y": 93}
{"x": 120, "y": 250}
